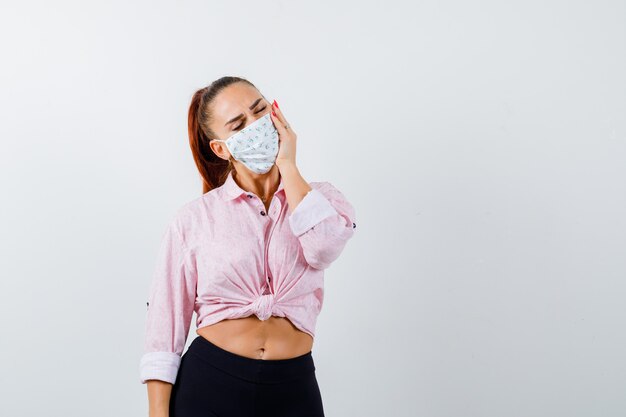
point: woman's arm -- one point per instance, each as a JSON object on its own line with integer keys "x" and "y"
{"x": 170, "y": 307}
{"x": 296, "y": 187}
{"x": 319, "y": 215}
{"x": 159, "y": 394}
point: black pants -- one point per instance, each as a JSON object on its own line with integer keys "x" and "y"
{"x": 213, "y": 382}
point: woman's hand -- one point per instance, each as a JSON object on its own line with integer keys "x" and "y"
{"x": 287, "y": 138}
{"x": 295, "y": 186}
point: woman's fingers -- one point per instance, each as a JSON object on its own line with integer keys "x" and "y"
{"x": 287, "y": 137}
{"x": 280, "y": 122}
{"x": 279, "y": 113}
{"x": 280, "y": 126}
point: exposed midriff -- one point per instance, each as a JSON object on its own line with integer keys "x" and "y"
{"x": 274, "y": 338}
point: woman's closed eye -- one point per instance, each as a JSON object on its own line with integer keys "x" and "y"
{"x": 243, "y": 124}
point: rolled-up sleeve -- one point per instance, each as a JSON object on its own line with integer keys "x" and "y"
{"x": 323, "y": 222}
{"x": 170, "y": 306}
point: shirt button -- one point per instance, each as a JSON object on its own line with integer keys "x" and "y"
{"x": 262, "y": 213}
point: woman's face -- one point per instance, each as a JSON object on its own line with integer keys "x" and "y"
{"x": 234, "y": 108}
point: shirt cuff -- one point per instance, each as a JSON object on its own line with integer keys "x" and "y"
{"x": 313, "y": 208}
{"x": 159, "y": 365}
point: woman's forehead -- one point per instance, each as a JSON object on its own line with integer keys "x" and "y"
{"x": 232, "y": 104}
{"x": 236, "y": 97}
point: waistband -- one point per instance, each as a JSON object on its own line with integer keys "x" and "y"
{"x": 253, "y": 370}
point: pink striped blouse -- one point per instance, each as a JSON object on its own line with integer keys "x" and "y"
{"x": 223, "y": 256}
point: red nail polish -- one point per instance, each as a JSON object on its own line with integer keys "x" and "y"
{"x": 275, "y": 102}
{"x": 274, "y": 113}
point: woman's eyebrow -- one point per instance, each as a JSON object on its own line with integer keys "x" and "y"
{"x": 234, "y": 119}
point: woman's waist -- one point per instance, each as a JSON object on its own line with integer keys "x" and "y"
{"x": 250, "y": 337}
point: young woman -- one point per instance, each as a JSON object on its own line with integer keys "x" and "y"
{"x": 248, "y": 256}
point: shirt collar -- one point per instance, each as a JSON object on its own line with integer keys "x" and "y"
{"x": 231, "y": 190}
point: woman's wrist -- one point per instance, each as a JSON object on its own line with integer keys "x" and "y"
{"x": 285, "y": 165}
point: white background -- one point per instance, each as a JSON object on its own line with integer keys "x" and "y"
{"x": 483, "y": 145}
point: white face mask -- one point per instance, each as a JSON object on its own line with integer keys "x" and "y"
{"x": 256, "y": 145}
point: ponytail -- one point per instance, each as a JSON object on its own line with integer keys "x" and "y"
{"x": 213, "y": 169}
